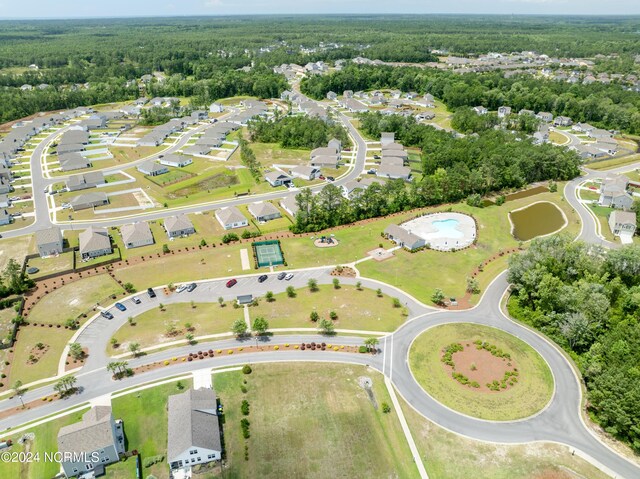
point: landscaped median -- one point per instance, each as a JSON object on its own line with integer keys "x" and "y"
{"x": 481, "y": 371}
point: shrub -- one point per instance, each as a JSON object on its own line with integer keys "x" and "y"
{"x": 314, "y": 316}
{"x": 151, "y": 460}
{"x": 500, "y": 200}
{"x": 379, "y": 293}
{"x": 336, "y": 283}
{"x": 333, "y": 315}
{"x": 244, "y": 424}
{"x": 396, "y": 303}
{"x": 229, "y": 237}
{"x": 291, "y": 292}
{"x": 363, "y": 349}
{"x": 129, "y": 288}
{"x": 244, "y": 408}
{"x": 246, "y": 369}
{"x": 203, "y": 242}
{"x": 243, "y": 388}
{"x": 165, "y": 248}
{"x": 386, "y": 408}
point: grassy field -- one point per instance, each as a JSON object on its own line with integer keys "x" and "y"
{"x": 532, "y": 392}
{"x": 145, "y": 427}
{"x": 356, "y": 309}
{"x": 15, "y": 248}
{"x": 602, "y": 214}
{"x": 54, "y": 340}
{"x": 74, "y": 299}
{"x": 6, "y": 325}
{"x": 150, "y": 327}
{"x": 446, "y": 455}
{"x": 558, "y": 138}
{"x": 270, "y": 153}
{"x": 302, "y": 415}
{"x": 51, "y": 265}
{"x": 45, "y": 441}
{"x": 449, "y": 270}
{"x": 613, "y": 162}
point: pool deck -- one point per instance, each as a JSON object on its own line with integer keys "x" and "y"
{"x": 460, "y": 236}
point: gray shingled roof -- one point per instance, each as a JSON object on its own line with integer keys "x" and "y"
{"x": 136, "y": 232}
{"x": 48, "y": 236}
{"x": 262, "y": 208}
{"x": 230, "y": 215}
{"x": 93, "y": 239}
{"x": 91, "y": 434}
{"x": 177, "y": 223}
{"x": 192, "y": 422}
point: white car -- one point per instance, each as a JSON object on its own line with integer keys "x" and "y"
{"x": 181, "y": 288}
{"x": 289, "y": 276}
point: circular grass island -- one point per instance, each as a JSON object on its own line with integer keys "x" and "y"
{"x": 481, "y": 371}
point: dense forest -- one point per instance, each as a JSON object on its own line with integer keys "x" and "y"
{"x": 297, "y": 132}
{"x": 452, "y": 170}
{"x": 587, "y": 299}
{"x": 609, "y": 106}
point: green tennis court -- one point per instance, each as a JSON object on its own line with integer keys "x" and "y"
{"x": 268, "y": 253}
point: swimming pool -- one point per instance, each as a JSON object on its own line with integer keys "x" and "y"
{"x": 445, "y": 229}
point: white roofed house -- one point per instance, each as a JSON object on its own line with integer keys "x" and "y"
{"x": 94, "y": 242}
{"x": 193, "y": 430}
{"x": 307, "y": 173}
{"x": 49, "y": 241}
{"x": 504, "y": 111}
{"x": 404, "y": 238}
{"x": 480, "y": 110}
{"x": 264, "y": 211}
{"x": 325, "y": 151}
{"x": 599, "y": 133}
{"x": 387, "y": 138}
{"x": 179, "y": 225}
{"x": 176, "y": 161}
{"x": 277, "y": 178}
{"x": 151, "y": 168}
{"x": 290, "y": 205}
{"x": 623, "y": 224}
{"x": 136, "y": 235}
{"x": 562, "y": 121}
{"x": 231, "y": 217}
{"x": 90, "y": 445}
{"x": 216, "y": 108}
{"x": 545, "y": 116}
{"x": 335, "y": 143}
{"x": 5, "y": 217}
{"x": 332, "y": 95}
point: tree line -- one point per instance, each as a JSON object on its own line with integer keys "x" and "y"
{"x": 297, "y": 131}
{"x": 609, "y": 106}
{"x": 587, "y": 299}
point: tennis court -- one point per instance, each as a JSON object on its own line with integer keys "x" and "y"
{"x": 268, "y": 253}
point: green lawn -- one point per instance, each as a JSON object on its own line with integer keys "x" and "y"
{"x": 446, "y": 455}
{"x": 51, "y": 265}
{"x": 529, "y": 395}
{"x": 613, "y": 162}
{"x": 558, "y": 138}
{"x": 589, "y": 195}
{"x": 270, "y": 153}
{"x": 449, "y": 270}
{"x": 45, "y": 440}
{"x": 54, "y": 339}
{"x": 356, "y": 309}
{"x": 144, "y": 415}
{"x": 303, "y": 414}
{"x": 74, "y": 299}
{"x": 151, "y": 327}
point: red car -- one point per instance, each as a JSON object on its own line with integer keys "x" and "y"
{"x": 231, "y": 282}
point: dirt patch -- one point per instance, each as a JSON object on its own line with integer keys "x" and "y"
{"x": 216, "y": 181}
{"x": 344, "y": 271}
{"x": 476, "y": 367}
{"x": 37, "y": 353}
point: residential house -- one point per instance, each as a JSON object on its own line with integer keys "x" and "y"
{"x": 562, "y": 121}
{"x": 425, "y": 115}
{"x": 355, "y": 106}
{"x": 392, "y": 160}
{"x": 480, "y": 110}
{"x": 179, "y": 225}
{"x": 5, "y": 186}
{"x": 598, "y": 133}
{"x": 307, "y": 173}
{"x": 394, "y": 172}
{"x": 94, "y": 242}
{"x": 353, "y": 188}
{"x": 387, "y": 138}
{"x": 90, "y": 445}
{"x": 335, "y": 143}
{"x": 589, "y": 151}
{"x": 264, "y": 211}
{"x": 193, "y": 430}
{"x": 613, "y": 192}
{"x": 403, "y": 237}
{"x": 5, "y": 202}
{"x": 136, "y": 235}
{"x": 526, "y": 112}
{"x": 325, "y": 161}
{"x": 324, "y": 151}
{"x": 73, "y": 161}
{"x": 199, "y": 115}
{"x": 545, "y": 116}
{"x": 195, "y": 150}
{"x": 392, "y": 146}
{"x": 5, "y": 173}
{"x": 176, "y": 161}
{"x": 332, "y": 96}
{"x": 277, "y": 178}
{"x": 216, "y": 108}
{"x": 623, "y": 224}
{"x": 504, "y": 111}
{"x": 151, "y": 168}
{"x": 83, "y": 181}
{"x": 89, "y": 200}
{"x": 290, "y": 205}
{"x": 49, "y": 241}
{"x": 347, "y": 94}
{"x": 395, "y": 153}
{"x": 5, "y": 217}
{"x": 231, "y": 217}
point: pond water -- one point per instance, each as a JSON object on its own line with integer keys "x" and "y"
{"x": 536, "y": 220}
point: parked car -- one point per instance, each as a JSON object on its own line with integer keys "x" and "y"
{"x": 181, "y": 288}
{"x": 282, "y": 275}
{"x": 330, "y": 178}
{"x": 136, "y": 300}
{"x": 121, "y": 306}
{"x": 321, "y": 177}
{"x": 151, "y": 292}
{"x": 262, "y": 278}
{"x": 289, "y": 276}
{"x": 371, "y": 172}
{"x": 191, "y": 287}
{"x": 376, "y": 157}
{"x": 106, "y": 314}
{"x": 231, "y": 282}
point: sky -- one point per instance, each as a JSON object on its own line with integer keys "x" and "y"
{"x": 28, "y": 9}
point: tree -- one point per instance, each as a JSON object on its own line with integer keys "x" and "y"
{"x": 386, "y": 408}
{"x": 221, "y": 301}
{"x": 134, "y": 348}
{"x": 326, "y": 327}
{"x": 473, "y": 286}
{"x": 71, "y": 323}
{"x": 359, "y": 285}
{"x": 239, "y": 327}
{"x": 190, "y": 338}
{"x": 333, "y": 315}
{"x": 396, "y": 303}
{"x": 188, "y": 326}
{"x": 165, "y": 248}
{"x": 269, "y": 296}
{"x": 129, "y": 288}
{"x": 75, "y": 350}
{"x": 314, "y": 316}
{"x": 19, "y": 390}
{"x": 132, "y": 321}
{"x": 336, "y": 283}
{"x": 65, "y": 385}
{"x": 171, "y": 329}
{"x": 291, "y": 292}
{"x": 313, "y": 285}
{"x": 379, "y": 293}
{"x": 114, "y": 343}
{"x": 371, "y": 343}
{"x": 438, "y": 296}
{"x": 260, "y": 325}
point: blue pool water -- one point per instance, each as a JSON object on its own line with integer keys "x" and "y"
{"x": 446, "y": 229}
